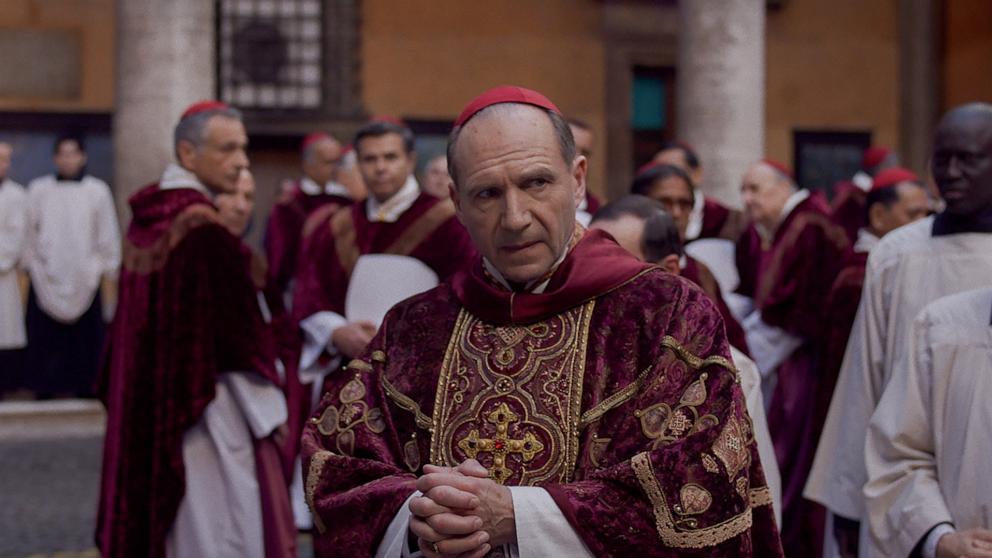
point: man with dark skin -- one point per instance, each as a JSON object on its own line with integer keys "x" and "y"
{"x": 911, "y": 267}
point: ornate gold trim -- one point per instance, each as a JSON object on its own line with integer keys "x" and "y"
{"x": 358, "y": 364}
{"x": 760, "y": 496}
{"x": 694, "y": 361}
{"x": 562, "y": 423}
{"x": 343, "y": 231}
{"x": 404, "y": 402}
{"x": 443, "y": 379}
{"x": 614, "y": 401}
{"x": 317, "y": 463}
{"x": 701, "y": 538}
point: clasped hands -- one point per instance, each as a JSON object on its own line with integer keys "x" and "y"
{"x": 462, "y": 512}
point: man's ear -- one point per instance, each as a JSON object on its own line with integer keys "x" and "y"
{"x": 186, "y": 152}
{"x": 670, "y": 263}
{"x": 455, "y": 199}
{"x": 876, "y": 217}
{"x": 580, "y": 166}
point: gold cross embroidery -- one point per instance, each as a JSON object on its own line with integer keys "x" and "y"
{"x": 500, "y": 445}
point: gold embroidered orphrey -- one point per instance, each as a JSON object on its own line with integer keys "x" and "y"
{"x": 510, "y": 397}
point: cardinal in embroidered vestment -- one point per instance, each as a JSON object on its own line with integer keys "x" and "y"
{"x": 554, "y": 397}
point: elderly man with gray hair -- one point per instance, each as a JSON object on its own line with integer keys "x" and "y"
{"x": 190, "y": 383}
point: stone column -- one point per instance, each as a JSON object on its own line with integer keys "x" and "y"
{"x": 721, "y": 89}
{"x": 919, "y": 39}
{"x": 165, "y": 54}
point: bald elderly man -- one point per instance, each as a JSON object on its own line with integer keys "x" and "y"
{"x": 556, "y": 397}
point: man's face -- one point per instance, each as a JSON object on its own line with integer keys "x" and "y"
{"x": 962, "y": 162}
{"x": 219, "y": 160}
{"x": 628, "y": 231}
{"x": 515, "y": 194}
{"x": 676, "y": 195}
{"x": 676, "y": 157}
{"x": 5, "y": 153}
{"x": 321, "y": 163}
{"x": 583, "y": 140}
{"x": 236, "y": 207}
{"x": 385, "y": 164}
{"x": 436, "y": 177}
{"x": 69, "y": 158}
{"x": 912, "y": 205}
{"x": 764, "y": 193}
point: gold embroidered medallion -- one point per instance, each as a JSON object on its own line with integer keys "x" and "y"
{"x": 510, "y": 397}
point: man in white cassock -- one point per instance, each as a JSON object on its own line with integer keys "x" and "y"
{"x": 73, "y": 245}
{"x": 910, "y": 267}
{"x": 13, "y": 224}
{"x": 930, "y": 440}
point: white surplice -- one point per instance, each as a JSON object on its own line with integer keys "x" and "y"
{"x": 750, "y": 377}
{"x": 221, "y": 513}
{"x": 13, "y": 227}
{"x": 73, "y": 241}
{"x": 908, "y": 269}
{"x": 929, "y": 445}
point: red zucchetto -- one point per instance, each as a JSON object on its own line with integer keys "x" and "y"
{"x": 504, "y": 94}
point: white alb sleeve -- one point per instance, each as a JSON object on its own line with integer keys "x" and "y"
{"x": 262, "y": 403}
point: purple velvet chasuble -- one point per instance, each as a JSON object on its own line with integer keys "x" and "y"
{"x": 612, "y": 390}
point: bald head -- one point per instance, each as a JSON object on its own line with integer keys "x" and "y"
{"x": 764, "y": 190}
{"x": 962, "y": 160}
{"x": 321, "y": 159}
{"x": 561, "y": 129}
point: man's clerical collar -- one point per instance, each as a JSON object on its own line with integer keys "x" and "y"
{"x": 944, "y": 224}
{"x": 390, "y": 210}
{"x": 311, "y": 188}
{"x": 790, "y": 205}
{"x": 78, "y": 177}
{"x": 178, "y": 177}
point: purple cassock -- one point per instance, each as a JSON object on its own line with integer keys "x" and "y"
{"x": 789, "y": 279}
{"x": 187, "y": 312}
{"x": 848, "y": 208}
{"x": 719, "y": 221}
{"x": 290, "y": 218}
{"x": 612, "y": 390}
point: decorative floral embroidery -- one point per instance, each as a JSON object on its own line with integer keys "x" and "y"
{"x": 741, "y": 486}
{"x": 709, "y": 463}
{"x": 679, "y": 537}
{"x": 341, "y": 421}
{"x": 695, "y": 500}
{"x": 730, "y": 446}
{"x": 664, "y": 426}
{"x": 411, "y": 454}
